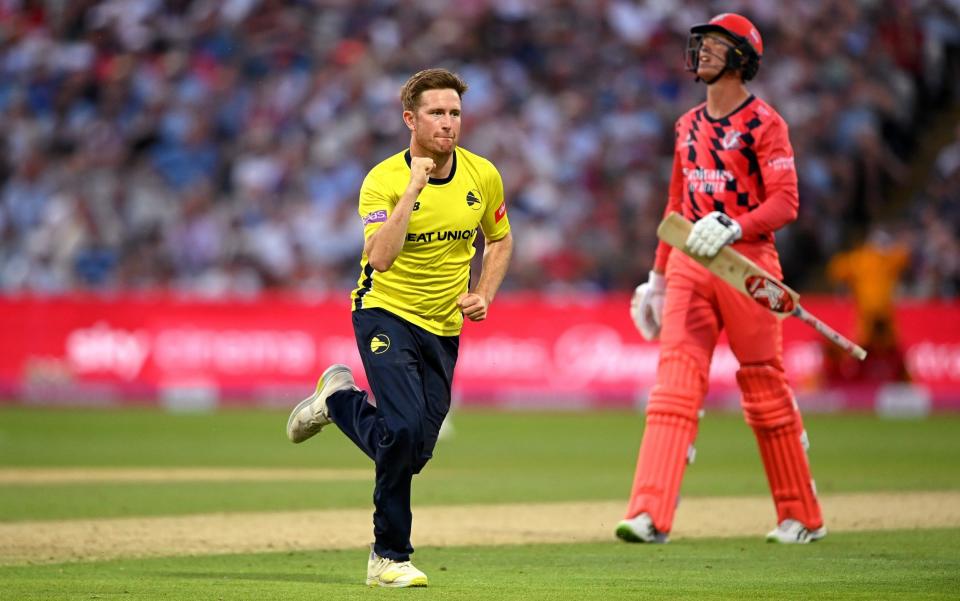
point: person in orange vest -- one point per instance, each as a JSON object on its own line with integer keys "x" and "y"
{"x": 872, "y": 272}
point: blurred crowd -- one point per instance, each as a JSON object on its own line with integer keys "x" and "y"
{"x": 217, "y": 146}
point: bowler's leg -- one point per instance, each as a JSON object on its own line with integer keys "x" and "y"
{"x": 395, "y": 428}
{"x": 439, "y": 360}
{"x": 353, "y": 413}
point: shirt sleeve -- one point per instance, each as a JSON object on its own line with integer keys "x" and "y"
{"x": 375, "y": 205}
{"x": 495, "y": 224}
{"x": 674, "y": 204}
{"x": 779, "y": 175}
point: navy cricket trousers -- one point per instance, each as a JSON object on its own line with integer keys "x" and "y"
{"x": 410, "y": 371}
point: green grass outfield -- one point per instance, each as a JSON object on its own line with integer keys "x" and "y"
{"x": 493, "y": 457}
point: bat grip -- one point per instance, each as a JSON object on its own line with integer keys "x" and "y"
{"x": 832, "y": 335}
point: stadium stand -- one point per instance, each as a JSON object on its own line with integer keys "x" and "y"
{"x": 216, "y": 147}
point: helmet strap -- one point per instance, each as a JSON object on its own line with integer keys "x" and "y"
{"x": 716, "y": 77}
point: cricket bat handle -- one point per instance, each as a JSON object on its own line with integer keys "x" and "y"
{"x": 831, "y": 334}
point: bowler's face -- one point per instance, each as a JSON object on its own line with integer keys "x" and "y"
{"x": 436, "y": 123}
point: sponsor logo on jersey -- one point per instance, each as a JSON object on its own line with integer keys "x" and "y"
{"x": 731, "y": 140}
{"x": 781, "y": 164}
{"x": 379, "y": 344}
{"x": 707, "y": 181}
{"x": 449, "y": 235}
{"x": 473, "y": 200}
{"x": 501, "y": 212}
{"x": 770, "y": 294}
{"x": 375, "y": 217}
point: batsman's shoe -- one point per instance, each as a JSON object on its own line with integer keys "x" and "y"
{"x": 640, "y": 530}
{"x": 393, "y": 574}
{"x": 311, "y": 415}
{"x": 792, "y": 532}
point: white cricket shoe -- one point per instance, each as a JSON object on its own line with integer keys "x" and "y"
{"x": 310, "y": 416}
{"x": 792, "y": 532}
{"x": 640, "y": 530}
{"x": 393, "y": 574}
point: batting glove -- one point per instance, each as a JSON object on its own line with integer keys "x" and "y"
{"x": 712, "y": 233}
{"x": 646, "y": 306}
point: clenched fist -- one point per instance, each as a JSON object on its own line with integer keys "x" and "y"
{"x": 420, "y": 169}
{"x": 473, "y": 306}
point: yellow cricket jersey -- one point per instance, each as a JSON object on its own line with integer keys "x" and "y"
{"x": 433, "y": 267}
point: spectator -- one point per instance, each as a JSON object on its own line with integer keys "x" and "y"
{"x": 267, "y": 105}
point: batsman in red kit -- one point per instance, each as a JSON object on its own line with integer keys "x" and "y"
{"x": 734, "y": 177}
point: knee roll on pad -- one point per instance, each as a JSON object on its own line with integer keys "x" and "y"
{"x": 680, "y": 387}
{"x": 674, "y": 402}
{"x": 767, "y": 400}
{"x": 680, "y": 369}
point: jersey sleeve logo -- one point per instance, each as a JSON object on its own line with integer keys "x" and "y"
{"x": 473, "y": 200}
{"x": 782, "y": 164}
{"x": 375, "y": 217}
{"x": 501, "y": 212}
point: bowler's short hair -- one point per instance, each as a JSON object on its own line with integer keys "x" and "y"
{"x": 429, "y": 79}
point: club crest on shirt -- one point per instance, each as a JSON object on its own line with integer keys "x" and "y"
{"x": 731, "y": 140}
{"x": 379, "y": 344}
{"x": 473, "y": 200}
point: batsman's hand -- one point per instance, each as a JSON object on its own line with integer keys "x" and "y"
{"x": 420, "y": 168}
{"x": 646, "y": 306}
{"x": 473, "y": 306}
{"x": 712, "y": 233}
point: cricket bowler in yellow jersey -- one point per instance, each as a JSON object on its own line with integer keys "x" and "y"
{"x": 421, "y": 209}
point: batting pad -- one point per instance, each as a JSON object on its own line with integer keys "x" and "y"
{"x": 671, "y": 428}
{"x": 770, "y": 410}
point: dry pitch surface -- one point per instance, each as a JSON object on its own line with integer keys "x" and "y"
{"x": 587, "y": 521}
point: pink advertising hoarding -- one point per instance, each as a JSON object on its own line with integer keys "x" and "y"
{"x": 533, "y": 351}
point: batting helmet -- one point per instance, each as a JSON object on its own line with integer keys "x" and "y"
{"x": 745, "y": 55}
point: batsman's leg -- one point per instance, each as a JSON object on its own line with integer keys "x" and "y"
{"x": 667, "y": 446}
{"x": 756, "y": 338}
{"x": 769, "y": 408}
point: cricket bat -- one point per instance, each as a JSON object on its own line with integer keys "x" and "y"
{"x": 752, "y": 280}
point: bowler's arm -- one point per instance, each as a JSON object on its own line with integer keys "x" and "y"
{"x": 496, "y": 258}
{"x": 383, "y": 246}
